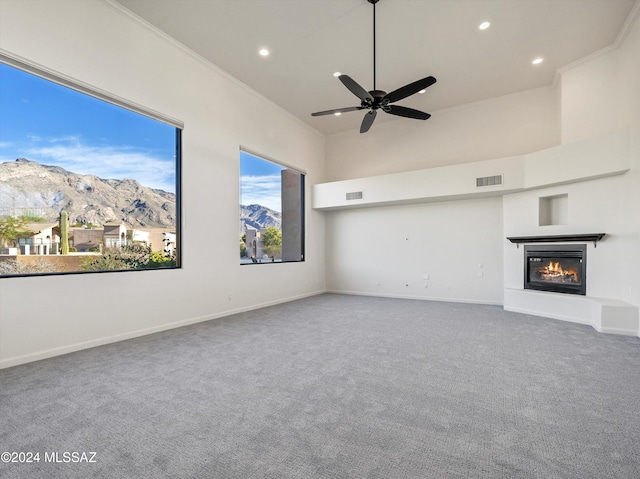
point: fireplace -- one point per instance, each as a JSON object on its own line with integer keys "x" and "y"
{"x": 556, "y": 268}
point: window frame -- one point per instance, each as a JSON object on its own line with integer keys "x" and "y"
{"x": 45, "y": 73}
{"x": 302, "y": 203}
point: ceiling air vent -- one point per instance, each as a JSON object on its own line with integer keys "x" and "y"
{"x": 356, "y": 195}
{"x": 489, "y": 181}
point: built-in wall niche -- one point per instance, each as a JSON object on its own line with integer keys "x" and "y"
{"x": 553, "y": 210}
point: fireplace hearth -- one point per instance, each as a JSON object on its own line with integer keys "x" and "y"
{"x": 556, "y": 268}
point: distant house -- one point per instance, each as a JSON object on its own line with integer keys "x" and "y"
{"x": 252, "y": 240}
{"x": 114, "y": 235}
{"x": 111, "y": 235}
{"x": 45, "y": 239}
{"x": 139, "y": 236}
{"x": 159, "y": 239}
{"x": 254, "y": 245}
{"x": 85, "y": 239}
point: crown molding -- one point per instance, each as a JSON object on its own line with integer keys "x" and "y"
{"x": 628, "y": 25}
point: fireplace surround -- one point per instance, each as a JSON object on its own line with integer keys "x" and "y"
{"x": 556, "y": 268}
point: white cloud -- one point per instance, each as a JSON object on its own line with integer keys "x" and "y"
{"x": 107, "y": 162}
{"x": 261, "y": 190}
{"x": 65, "y": 139}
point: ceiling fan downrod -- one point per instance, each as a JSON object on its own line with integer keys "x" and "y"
{"x": 373, "y": 2}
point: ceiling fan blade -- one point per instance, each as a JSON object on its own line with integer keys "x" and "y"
{"x": 407, "y": 112}
{"x": 367, "y": 121}
{"x": 355, "y": 88}
{"x": 337, "y": 110}
{"x": 409, "y": 89}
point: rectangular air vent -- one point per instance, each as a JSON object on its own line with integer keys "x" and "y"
{"x": 489, "y": 181}
{"x": 356, "y": 195}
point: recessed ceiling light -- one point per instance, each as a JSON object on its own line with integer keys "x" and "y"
{"x": 264, "y": 52}
{"x": 337, "y": 74}
{"x": 484, "y": 25}
{"x": 422, "y": 91}
{"x": 537, "y": 61}
{"x": 338, "y": 113}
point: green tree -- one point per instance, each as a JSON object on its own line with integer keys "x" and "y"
{"x": 243, "y": 245}
{"x": 271, "y": 241}
{"x": 13, "y": 228}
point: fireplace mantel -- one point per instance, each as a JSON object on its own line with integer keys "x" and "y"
{"x": 595, "y": 237}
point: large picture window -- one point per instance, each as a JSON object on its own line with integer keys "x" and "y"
{"x": 88, "y": 183}
{"x": 271, "y": 211}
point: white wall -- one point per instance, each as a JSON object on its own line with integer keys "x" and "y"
{"x": 598, "y": 95}
{"x": 628, "y": 102}
{"x": 497, "y": 128}
{"x": 589, "y": 105}
{"x": 562, "y": 164}
{"x": 97, "y": 43}
{"x": 366, "y": 246}
{"x": 388, "y": 251}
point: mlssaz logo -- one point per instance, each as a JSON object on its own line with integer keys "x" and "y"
{"x": 69, "y": 457}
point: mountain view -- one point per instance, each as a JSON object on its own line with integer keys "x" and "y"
{"x": 41, "y": 190}
{"x": 257, "y": 217}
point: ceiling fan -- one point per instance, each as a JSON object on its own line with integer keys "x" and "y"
{"x": 375, "y": 100}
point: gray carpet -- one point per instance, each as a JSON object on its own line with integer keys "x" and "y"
{"x": 336, "y": 387}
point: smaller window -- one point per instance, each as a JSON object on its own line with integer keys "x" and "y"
{"x": 271, "y": 211}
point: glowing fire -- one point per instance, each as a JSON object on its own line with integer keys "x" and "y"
{"x": 554, "y": 272}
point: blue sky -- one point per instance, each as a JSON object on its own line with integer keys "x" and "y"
{"x": 259, "y": 182}
{"x": 54, "y": 125}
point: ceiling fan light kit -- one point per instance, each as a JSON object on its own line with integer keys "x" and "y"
{"x": 375, "y": 100}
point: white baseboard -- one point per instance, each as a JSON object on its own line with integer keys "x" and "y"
{"x": 622, "y": 332}
{"x": 422, "y": 298}
{"x": 70, "y": 348}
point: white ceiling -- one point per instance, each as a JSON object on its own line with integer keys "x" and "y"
{"x": 311, "y": 39}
